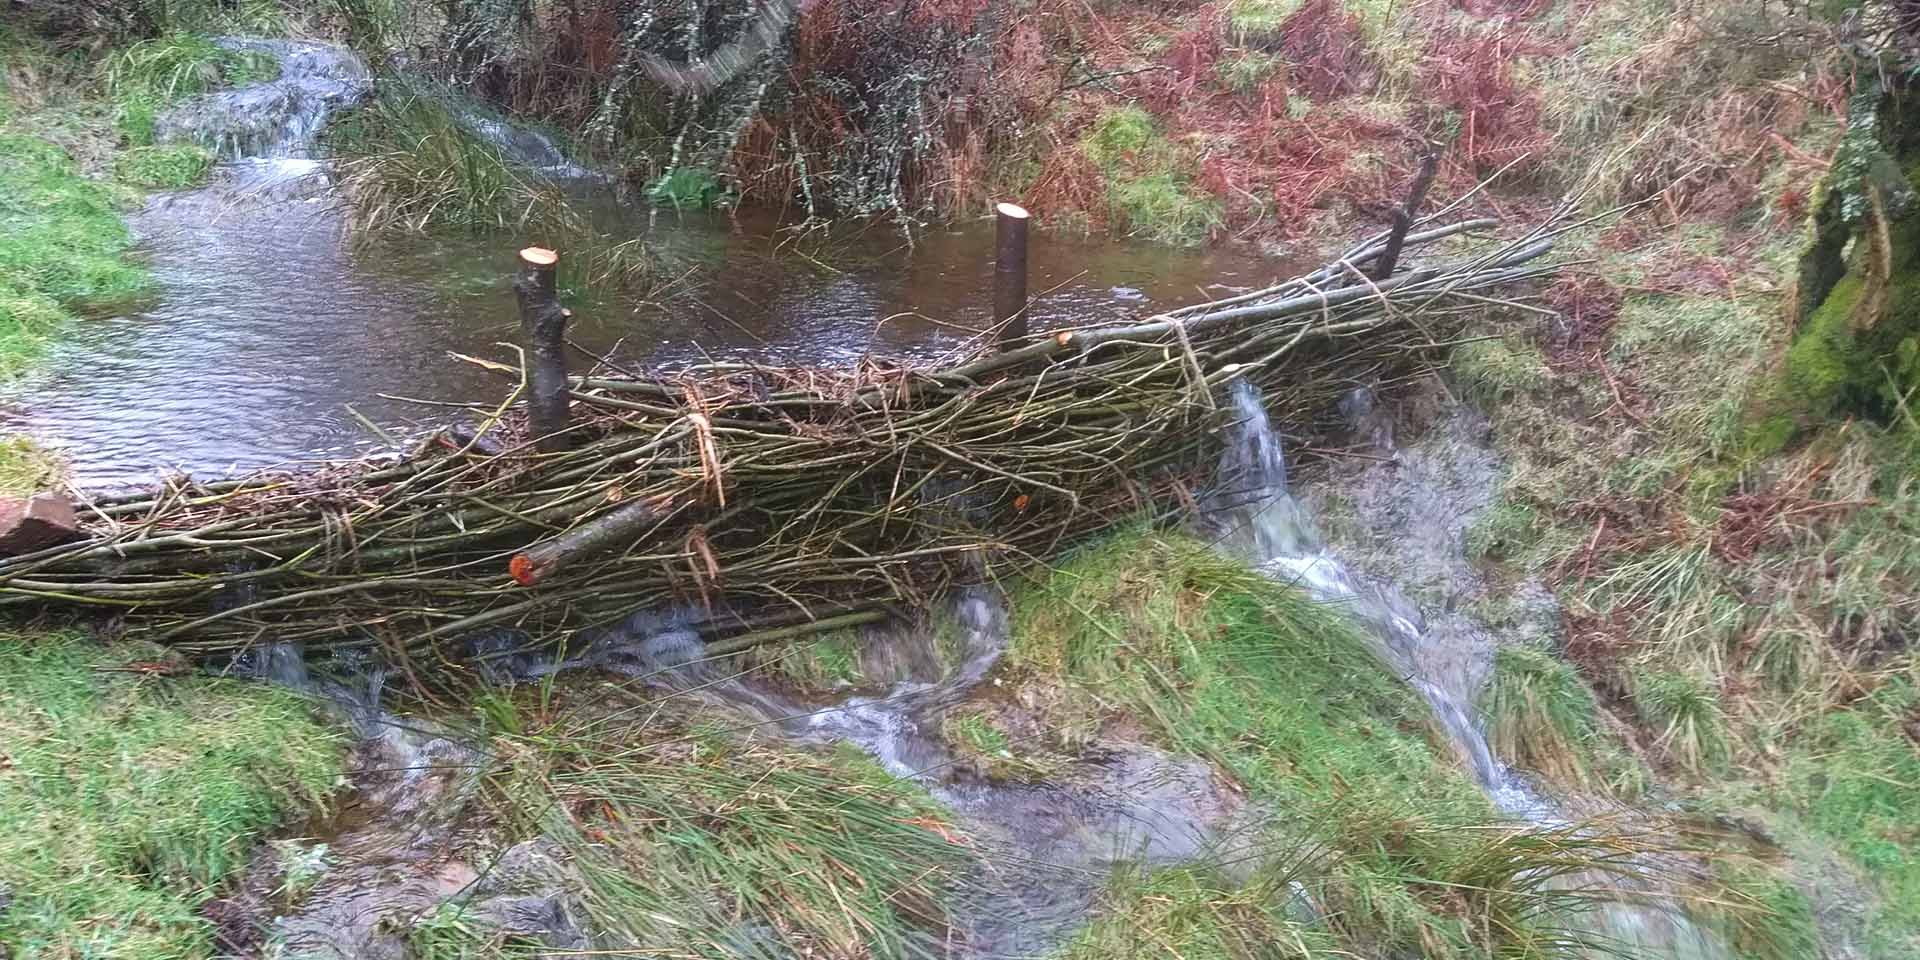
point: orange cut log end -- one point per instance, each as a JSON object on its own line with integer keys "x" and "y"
{"x": 523, "y": 570}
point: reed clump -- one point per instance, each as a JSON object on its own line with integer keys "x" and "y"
{"x": 411, "y": 162}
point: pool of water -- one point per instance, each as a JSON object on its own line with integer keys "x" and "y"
{"x": 268, "y": 324}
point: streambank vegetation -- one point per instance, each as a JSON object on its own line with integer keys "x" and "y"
{"x": 132, "y": 790}
{"x": 1711, "y": 440}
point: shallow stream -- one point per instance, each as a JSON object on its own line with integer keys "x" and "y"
{"x": 273, "y": 335}
{"x": 270, "y": 321}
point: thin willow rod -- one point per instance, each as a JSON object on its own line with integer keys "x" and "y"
{"x": 829, "y": 476}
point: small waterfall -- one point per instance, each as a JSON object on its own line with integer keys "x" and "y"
{"x": 265, "y": 133}
{"x": 1444, "y": 666}
{"x": 1253, "y": 477}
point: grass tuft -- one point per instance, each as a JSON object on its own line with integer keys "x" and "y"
{"x": 1541, "y": 716}
{"x": 126, "y": 800}
{"x": 1198, "y": 913}
{"x": 1686, "y": 714}
{"x": 412, "y": 164}
{"x": 693, "y": 842}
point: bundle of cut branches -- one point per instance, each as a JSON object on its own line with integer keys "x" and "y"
{"x": 777, "y": 500}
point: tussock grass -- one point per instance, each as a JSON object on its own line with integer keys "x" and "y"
{"x": 1217, "y": 661}
{"x": 694, "y": 842}
{"x": 1540, "y": 715}
{"x": 126, "y": 800}
{"x": 1686, "y": 714}
{"x": 412, "y": 164}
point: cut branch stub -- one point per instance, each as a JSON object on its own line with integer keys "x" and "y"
{"x": 543, "y": 330}
{"x": 622, "y": 526}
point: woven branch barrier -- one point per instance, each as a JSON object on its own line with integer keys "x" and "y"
{"x": 777, "y": 500}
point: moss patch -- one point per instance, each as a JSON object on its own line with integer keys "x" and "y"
{"x": 1150, "y": 195}
{"x": 126, "y": 800}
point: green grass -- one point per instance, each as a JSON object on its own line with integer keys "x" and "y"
{"x": 125, "y": 800}
{"x": 170, "y": 167}
{"x": 1245, "y": 72}
{"x": 689, "y": 838}
{"x": 1150, "y": 195}
{"x": 1505, "y": 529}
{"x": 695, "y": 188}
{"x": 1219, "y": 662}
{"x": 1497, "y": 369}
{"x": 149, "y": 75}
{"x": 1258, "y": 19}
{"x": 62, "y": 246}
{"x": 1854, "y": 777}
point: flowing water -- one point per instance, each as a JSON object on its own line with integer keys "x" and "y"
{"x": 272, "y": 336}
{"x": 268, "y": 323}
{"x": 1445, "y": 658}
{"x": 1046, "y": 850}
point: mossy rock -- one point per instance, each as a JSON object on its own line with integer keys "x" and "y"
{"x": 1856, "y": 352}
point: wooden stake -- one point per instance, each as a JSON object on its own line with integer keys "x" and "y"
{"x": 1403, "y": 218}
{"x": 1010, "y": 274}
{"x": 543, "y": 331}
